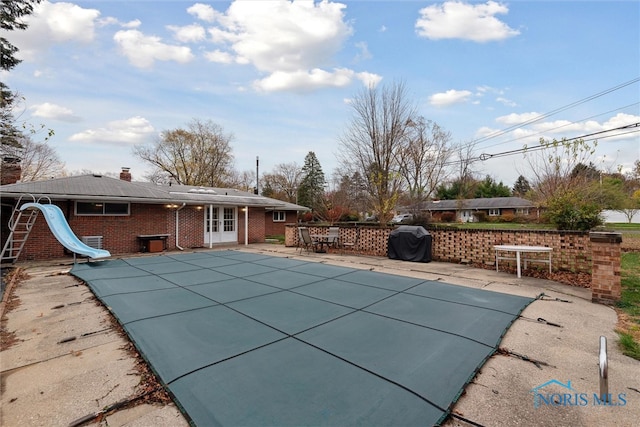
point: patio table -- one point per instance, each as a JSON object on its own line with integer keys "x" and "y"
{"x": 524, "y": 249}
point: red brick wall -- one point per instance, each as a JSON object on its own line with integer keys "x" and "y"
{"x": 256, "y": 225}
{"x": 277, "y": 228}
{"x": 571, "y": 249}
{"x": 119, "y": 232}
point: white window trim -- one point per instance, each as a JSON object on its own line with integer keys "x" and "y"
{"x": 282, "y": 214}
{"x": 494, "y": 212}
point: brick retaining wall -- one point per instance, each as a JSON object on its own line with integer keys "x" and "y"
{"x": 571, "y": 249}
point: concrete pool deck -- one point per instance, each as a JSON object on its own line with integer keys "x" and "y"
{"x": 47, "y": 380}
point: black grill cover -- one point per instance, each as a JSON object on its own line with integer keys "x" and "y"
{"x": 409, "y": 243}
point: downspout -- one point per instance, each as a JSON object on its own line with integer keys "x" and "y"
{"x": 177, "y": 227}
{"x": 246, "y": 225}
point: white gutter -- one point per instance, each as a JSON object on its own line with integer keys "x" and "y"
{"x": 246, "y": 225}
{"x": 177, "y": 222}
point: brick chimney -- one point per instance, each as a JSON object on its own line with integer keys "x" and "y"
{"x": 11, "y": 170}
{"x": 125, "y": 175}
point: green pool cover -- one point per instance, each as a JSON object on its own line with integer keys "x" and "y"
{"x": 244, "y": 339}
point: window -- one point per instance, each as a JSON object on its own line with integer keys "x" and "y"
{"x": 102, "y": 208}
{"x": 279, "y": 216}
{"x": 229, "y": 219}
{"x": 522, "y": 211}
{"x": 494, "y": 212}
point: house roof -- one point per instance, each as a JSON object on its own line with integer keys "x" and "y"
{"x": 477, "y": 204}
{"x": 104, "y": 188}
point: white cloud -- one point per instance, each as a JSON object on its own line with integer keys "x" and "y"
{"x": 449, "y": 97}
{"x": 203, "y": 12}
{"x": 110, "y": 20}
{"x": 219, "y": 57}
{"x": 302, "y": 80}
{"x": 621, "y": 119}
{"x": 561, "y": 128}
{"x": 506, "y": 102}
{"x": 364, "y": 53}
{"x": 143, "y": 50}
{"x": 188, "y": 33}
{"x": 53, "y": 23}
{"x": 286, "y": 36}
{"x": 514, "y": 119}
{"x": 458, "y": 20}
{"x": 54, "y": 112}
{"x": 130, "y": 131}
{"x": 369, "y": 79}
{"x": 292, "y": 42}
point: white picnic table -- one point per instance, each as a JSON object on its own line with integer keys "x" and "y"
{"x": 518, "y": 249}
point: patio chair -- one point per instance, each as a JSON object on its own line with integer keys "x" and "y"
{"x": 351, "y": 245}
{"x": 333, "y": 237}
{"x": 307, "y": 241}
{"x": 300, "y": 239}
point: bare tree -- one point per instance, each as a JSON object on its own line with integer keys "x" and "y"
{"x": 553, "y": 167}
{"x": 243, "y": 181}
{"x": 425, "y": 159}
{"x": 374, "y": 140}
{"x": 38, "y": 160}
{"x": 284, "y": 181}
{"x": 198, "y": 155}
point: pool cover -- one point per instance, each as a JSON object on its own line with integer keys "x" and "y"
{"x": 245, "y": 339}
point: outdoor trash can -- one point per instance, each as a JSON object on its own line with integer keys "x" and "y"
{"x": 410, "y": 243}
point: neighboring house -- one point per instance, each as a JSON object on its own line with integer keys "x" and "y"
{"x": 465, "y": 209}
{"x": 120, "y": 211}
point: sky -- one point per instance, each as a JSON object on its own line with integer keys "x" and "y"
{"x": 278, "y": 75}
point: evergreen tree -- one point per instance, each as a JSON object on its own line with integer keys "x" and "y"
{"x": 490, "y": 188}
{"x": 11, "y": 14}
{"x": 521, "y": 187}
{"x": 311, "y": 190}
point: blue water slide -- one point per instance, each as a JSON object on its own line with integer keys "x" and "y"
{"x": 61, "y": 230}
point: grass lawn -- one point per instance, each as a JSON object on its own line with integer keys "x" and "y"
{"x": 495, "y": 226}
{"x": 629, "y": 305}
{"x": 610, "y": 226}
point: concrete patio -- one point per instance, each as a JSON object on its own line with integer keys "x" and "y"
{"x": 69, "y": 360}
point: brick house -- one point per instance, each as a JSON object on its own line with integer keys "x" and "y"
{"x": 465, "y": 210}
{"x": 122, "y": 214}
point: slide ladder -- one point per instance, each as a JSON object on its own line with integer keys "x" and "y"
{"x": 20, "y": 225}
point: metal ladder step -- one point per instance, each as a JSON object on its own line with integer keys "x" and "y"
{"x": 20, "y": 225}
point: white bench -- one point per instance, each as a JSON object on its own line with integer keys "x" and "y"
{"x": 522, "y": 249}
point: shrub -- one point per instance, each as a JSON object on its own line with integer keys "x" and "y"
{"x": 522, "y": 219}
{"x": 422, "y": 219}
{"x": 507, "y": 217}
{"x": 350, "y": 216}
{"x": 448, "y": 217}
{"x": 481, "y": 216}
{"x": 570, "y": 211}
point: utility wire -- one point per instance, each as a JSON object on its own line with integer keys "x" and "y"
{"x": 565, "y": 125}
{"x": 485, "y": 156}
{"x": 553, "y": 112}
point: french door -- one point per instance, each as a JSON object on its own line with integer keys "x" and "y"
{"x": 220, "y": 224}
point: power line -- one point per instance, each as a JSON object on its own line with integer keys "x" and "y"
{"x": 565, "y": 125}
{"x": 553, "y": 112}
{"x": 634, "y": 126}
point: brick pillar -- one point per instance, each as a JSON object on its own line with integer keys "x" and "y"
{"x": 605, "y": 271}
